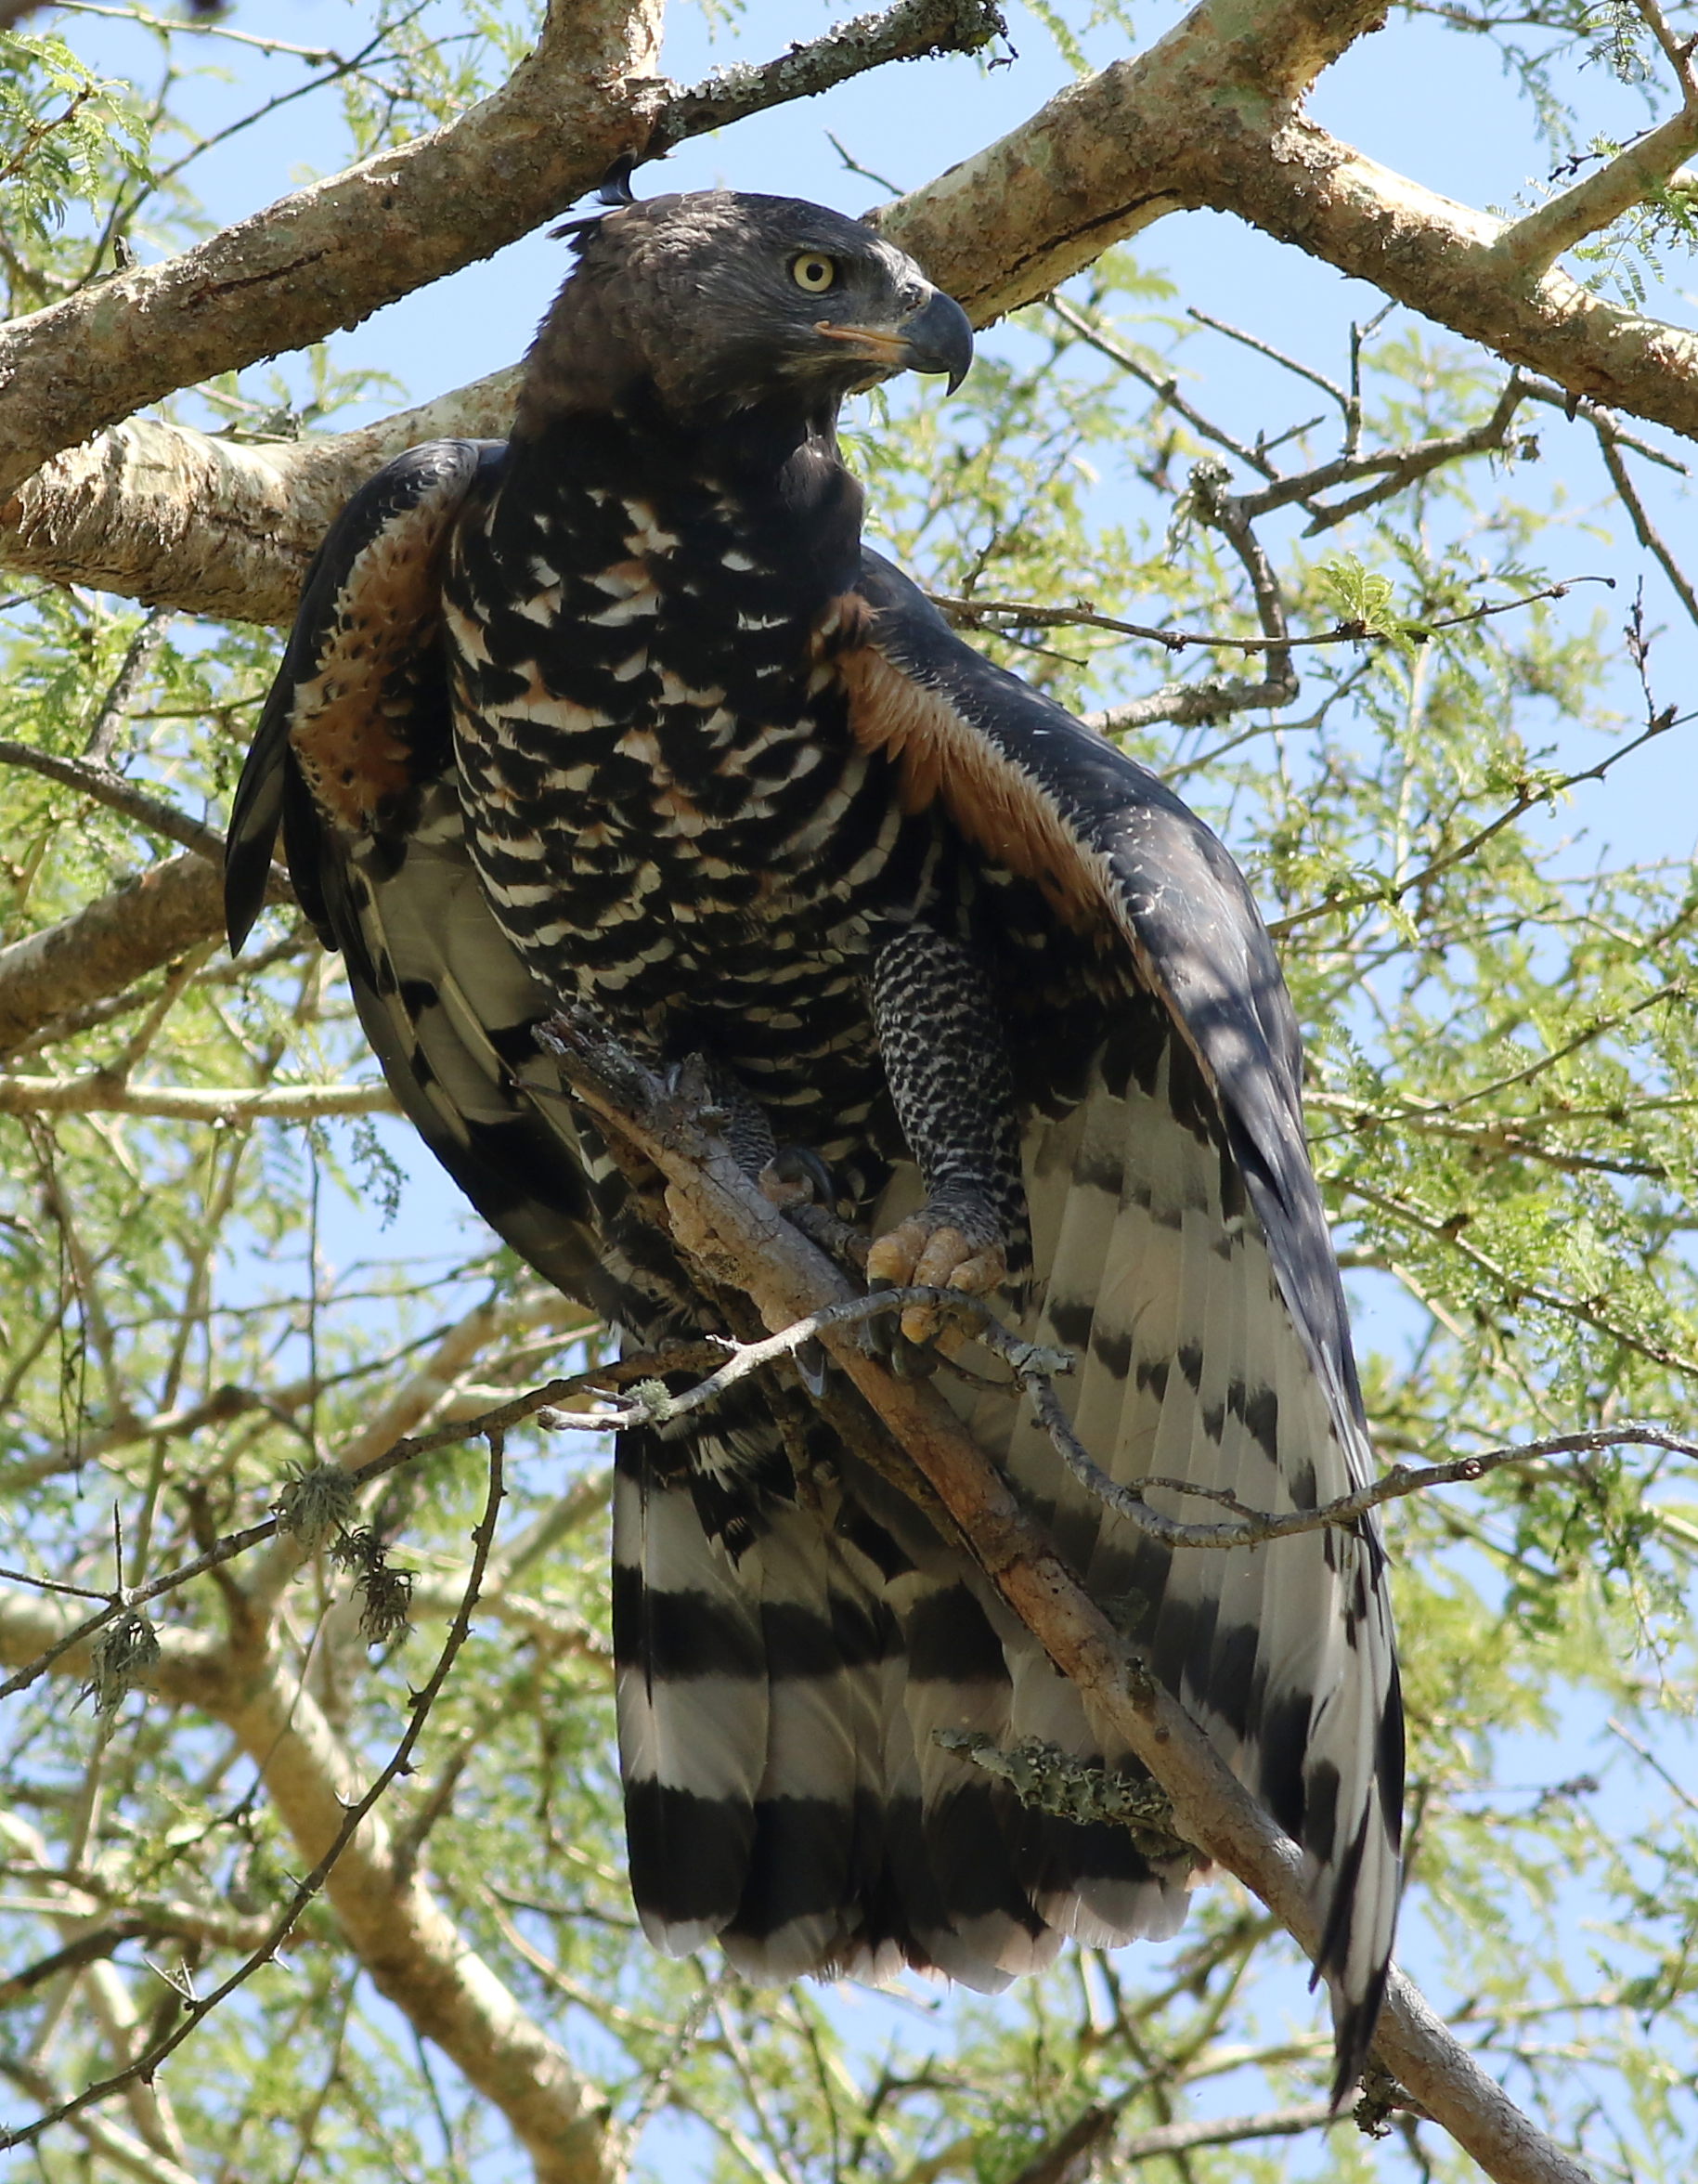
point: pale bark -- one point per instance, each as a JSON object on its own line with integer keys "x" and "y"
{"x": 329, "y": 256}
{"x": 1209, "y": 115}
{"x": 192, "y": 1103}
{"x": 176, "y": 517}
{"x": 135, "y": 929}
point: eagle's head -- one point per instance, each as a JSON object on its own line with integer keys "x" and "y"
{"x": 721, "y": 301}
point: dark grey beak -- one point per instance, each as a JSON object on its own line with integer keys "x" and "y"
{"x": 939, "y": 338}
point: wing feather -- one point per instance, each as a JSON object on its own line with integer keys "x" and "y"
{"x": 353, "y": 759}
{"x": 1183, "y": 1253}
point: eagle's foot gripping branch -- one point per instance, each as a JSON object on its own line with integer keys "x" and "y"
{"x": 947, "y": 1244}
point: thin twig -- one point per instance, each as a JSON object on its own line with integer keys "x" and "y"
{"x": 1031, "y": 614}
{"x": 1166, "y": 390}
{"x": 197, "y": 26}
{"x": 232, "y": 1545}
{"x": 115, "y": 706}
{"x": 1256, "y": 1527}
{"x": 1250, "y": 341}
{"x": 1528, "y": 799}
{"x": 145, "y": 2066}
{"x": 98, "y": 781}
{"x": 1653, "y": 1761}
{"x": 1644, "y": 529}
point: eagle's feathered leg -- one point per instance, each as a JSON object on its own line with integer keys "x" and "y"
{"x": 946, "y": 1062}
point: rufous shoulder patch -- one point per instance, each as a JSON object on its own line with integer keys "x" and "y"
{"x": 939, "y": 754}
{"x": 348, "y": 721}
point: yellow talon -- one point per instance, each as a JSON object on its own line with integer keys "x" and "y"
{"x": 916, "y": 1256}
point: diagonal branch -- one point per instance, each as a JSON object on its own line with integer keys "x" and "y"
{"x": 394, "y": 1924}
{"x": 1209, "y": 116}
{"x": 1634, "y": 175}
{"x": 137, "y": 928}
{"x": 726, "y": 1227}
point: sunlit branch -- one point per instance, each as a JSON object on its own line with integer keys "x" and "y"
{"x": 727, "y": 1228}
{"x": 196, "y": 26}
{"x": 1033, "y": 614}
{"x": 1534, "y": 243}
{"x": 139, "y": 927}
{"x": 1587, "y": 1311}
{"x": 102, "y": 1094}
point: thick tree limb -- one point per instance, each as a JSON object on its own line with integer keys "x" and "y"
{"x": 176, "y": 517}
{"x": 329, "y": 257}
{"x": 104, "y": 948}
{"x": 1208, "y": 116}
{"x": 723, "y": 1223}
{"x": 97, "y": 1094}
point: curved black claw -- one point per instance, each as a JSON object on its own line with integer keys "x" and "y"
{"x": 802, "y": 1177}
{"x": 886, "y": 1341}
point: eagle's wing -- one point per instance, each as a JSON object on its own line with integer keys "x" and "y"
{"x": 1182, "y": 1253}
{"x": 353, "y": 759}
{"x": 737, "y": 1775}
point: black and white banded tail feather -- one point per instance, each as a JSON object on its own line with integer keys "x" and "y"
{"x": 353, "y": 759}
{"x": 1183, "y": 1254}
{"x": 786, "y": 1660}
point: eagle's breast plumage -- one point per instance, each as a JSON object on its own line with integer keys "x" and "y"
{"x": 622, "y": 713}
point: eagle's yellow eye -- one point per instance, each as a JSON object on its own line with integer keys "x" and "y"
{"x": 814, "y": 272}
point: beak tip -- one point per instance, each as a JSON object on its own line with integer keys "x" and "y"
{"x": 939, "y": 339}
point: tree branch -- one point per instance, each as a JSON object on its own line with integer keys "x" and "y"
{"x": 329, "y": 256}
{"x": 96, "y": 780}
{"x": 733, "y": 1233}
{"x": 214, "y": 526}
{"x": 140, "y": 926}
{"x": 393, "y": 1923}
{"x": 1209, "y": 117}
{"x": 102, "y": 1094}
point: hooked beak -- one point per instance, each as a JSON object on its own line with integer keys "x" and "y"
{"x": 938, "y": 337}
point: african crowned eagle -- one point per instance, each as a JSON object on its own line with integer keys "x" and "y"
{"x": 620, "y": 714}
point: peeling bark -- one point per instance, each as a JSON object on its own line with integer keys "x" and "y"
{"x": 175, "y": 517}
{"x": 329, "y": 257}
{"x": 1208, "y": 116}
